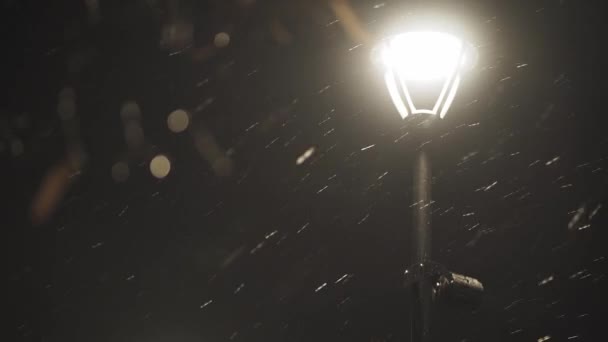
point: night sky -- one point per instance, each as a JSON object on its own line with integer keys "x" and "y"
{"x": 276, "y": 204}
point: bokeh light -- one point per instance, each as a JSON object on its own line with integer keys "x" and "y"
{"x": 160, "y": 166}
{"x": 223, "y": 166}
{"x": 130, "y": 111}
{"x": 221, "y": 40}
{"x": 134, "y": 134}
{"x": 178, "y": 121}
{"x": 120, "y": 171}
{"x": 176, "y": 35}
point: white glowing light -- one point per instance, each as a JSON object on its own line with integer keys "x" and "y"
{"x": 423, "y": 58}
{"x": 423, "y": 55}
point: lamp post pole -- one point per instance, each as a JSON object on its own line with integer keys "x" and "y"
{"x": 421, "y": 240}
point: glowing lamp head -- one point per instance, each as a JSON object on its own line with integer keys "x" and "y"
{"x": 421, "y": 58}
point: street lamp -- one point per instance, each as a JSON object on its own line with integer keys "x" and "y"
{"x": 422, "y": 72}
{"x": 416, "y": 58}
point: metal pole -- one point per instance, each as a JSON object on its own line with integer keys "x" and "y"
{"x": 422, "y": 216}
{"x": 421, "y": 239}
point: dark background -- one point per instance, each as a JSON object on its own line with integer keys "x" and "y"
{"x": 519, "y": 174}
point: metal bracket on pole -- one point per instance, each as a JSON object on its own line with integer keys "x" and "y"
{"x": 448, "y": 287}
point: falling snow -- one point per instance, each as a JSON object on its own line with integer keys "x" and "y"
{"x": 206, "y": 304}
{"x": 159, "y": 138}
{"x": 321, "y": 287}
{"x": 545, "y": 281}
{"x": 307, "y": 154}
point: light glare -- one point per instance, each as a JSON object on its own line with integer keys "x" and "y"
{"x": 418, "y": 59}
{"x": 423, "y": 55}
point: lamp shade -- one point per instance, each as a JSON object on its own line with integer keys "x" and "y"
{"x": 423, "y": 58}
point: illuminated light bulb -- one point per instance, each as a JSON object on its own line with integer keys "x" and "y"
{"x": 421, "y": 58}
